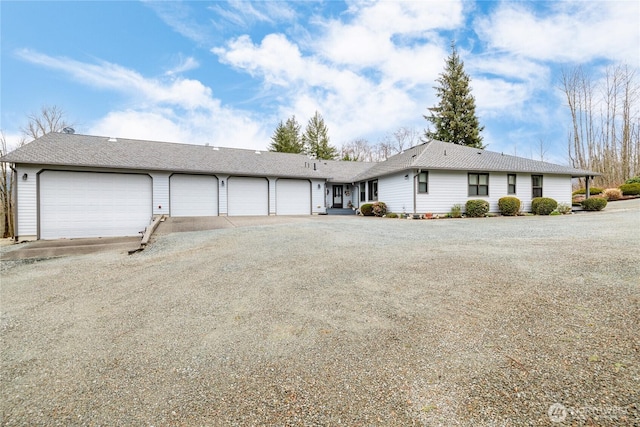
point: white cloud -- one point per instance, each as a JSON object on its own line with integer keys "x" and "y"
{"x": 169, "y": 109}
{"x": 185, "y": 64}
{"x": 566, "y": 31}
{"x": 220, "y": 127}
{"x": 188, "y": 94}
{"x": 243, "y": 13}
{"x": 180, "y": 18}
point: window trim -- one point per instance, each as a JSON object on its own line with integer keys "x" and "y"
{"x": 478, "y": 185}
{"x": 539, "y": 187}
{"x": 363, "y": 191}
{"x": 425, "y": 182}
{"x": 515, "y": 182}
{"x": 372, "y": 187}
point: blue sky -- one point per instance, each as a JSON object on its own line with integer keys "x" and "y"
{"x": 225, "y": 73}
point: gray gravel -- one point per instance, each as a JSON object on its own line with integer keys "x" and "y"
{"x": 334, "y": 321}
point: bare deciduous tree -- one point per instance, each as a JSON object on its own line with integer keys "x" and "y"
{"x": 605, "y": 118}
{"x": 6, "y": 191}
{"x": 49, "y": 119}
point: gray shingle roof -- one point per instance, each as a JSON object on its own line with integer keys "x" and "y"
{"x": 446, "y": 156}
{"x": 102, "y": 152}
{"x": 96, "y": 151}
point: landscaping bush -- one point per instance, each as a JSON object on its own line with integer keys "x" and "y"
{"x": 379, "y": 208}
{"x": 632, "y": 189}
{"x": 543, "y": 205}
{"x": 592, "y": 191}
{"x": 564, "y": 208}
{"x": 594, "y": 203}
{"x": 391, "y": 215}
{"x": 634, "y": 180}
{"x": 456, "y": 211}
{"x": 477, "y": 208}
{"x": 509, "y": 206}
{"x": 612, "y": 194}
{"x": 366, "y": 209}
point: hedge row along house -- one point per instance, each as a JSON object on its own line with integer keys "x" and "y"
{"x": 71, "y": 185}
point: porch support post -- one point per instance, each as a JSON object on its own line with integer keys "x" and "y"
{"x": 587, "y": 191}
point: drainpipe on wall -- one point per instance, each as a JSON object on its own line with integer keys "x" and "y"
{"x": 415, "y": 177}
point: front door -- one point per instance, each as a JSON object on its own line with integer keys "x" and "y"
{"x": 337, "y": 196}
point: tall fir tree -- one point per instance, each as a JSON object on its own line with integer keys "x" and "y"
{"x": 286, "y": 138}
{"x": 454, "y": 118}
{"x": 316, "y": 139}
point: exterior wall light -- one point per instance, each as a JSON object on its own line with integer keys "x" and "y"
{"x": 24, "y": 177}
{"x": 222, "y": 183}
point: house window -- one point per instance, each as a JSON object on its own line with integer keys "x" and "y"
{"x": 373, "y": 189}
{"x": 363, "y": 192}
{"x": 511, "y": 184}
{"x": 536, "y": 185}
{"x": 478, "y": 184}
{"x": 423, "y": 182}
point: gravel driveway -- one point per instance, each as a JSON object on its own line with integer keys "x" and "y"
{"x": 334, "y": 321}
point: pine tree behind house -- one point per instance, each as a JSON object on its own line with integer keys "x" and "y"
{"x": 454, "y": 118}
{"x": 316, "y": 139}
{"x": 286, "y": 138}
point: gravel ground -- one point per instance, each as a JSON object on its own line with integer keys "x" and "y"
{"x": 334, "y": 321}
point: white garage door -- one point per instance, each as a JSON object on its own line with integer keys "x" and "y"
{"x": 247, "y": 196}
{"x": 293, "y": 197}
{"x": 193, "y": 195}
{"x": 90, "y": 204}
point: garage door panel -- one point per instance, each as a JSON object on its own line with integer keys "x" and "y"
{"x": 247, "y": 196}
{"x": 293, "y": 197}
{"x": 193, "y": 195}
{"x": 90, "y": 204}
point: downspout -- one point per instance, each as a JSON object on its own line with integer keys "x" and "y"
{"x": 13, "y": 202}
{"x": 415, "y": 177}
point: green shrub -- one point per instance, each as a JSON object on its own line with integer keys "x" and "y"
{"x": 366, "y": 209}
{"x": 391, "y": 215}
{"x": 456, "y": 211}
{"x": 543, "y": 205}
{"x": 509, "y": 206}
{"x": 634, "y": 180}
{"x": 477, "y": 208}
{"x": 379, "y": 208}
{"x": 612, "y": 194}
{"x": 564, "y": 208}
{"x": 630, "y": 189}
{"x": 592, "y": 191}
{"x": 594, "y": 203}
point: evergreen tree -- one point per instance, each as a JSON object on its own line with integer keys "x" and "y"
{"x": 286, "y": 137}
{"x": 455, "y": 118}
{"x": 316, "y": 139}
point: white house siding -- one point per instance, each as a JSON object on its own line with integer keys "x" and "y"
{"x": 272, "y": 196}
{"x": 27, "y": 199}
{"x": 396, "y": 192}
{"x": 160, "y": 193}
{"x": 317, "y": 196}
{"x": 523, "y": 191}
{"x": 223, "y": 181}
{"x": 557, "y": 187}
{"x": 446, "y": 188}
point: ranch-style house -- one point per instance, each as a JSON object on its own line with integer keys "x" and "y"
{"x": 70, "y": 185}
